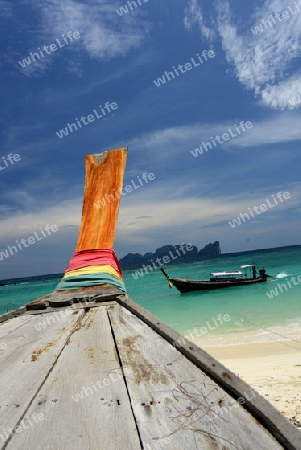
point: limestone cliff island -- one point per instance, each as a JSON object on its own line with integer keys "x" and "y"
{"x": 136, "y": 260}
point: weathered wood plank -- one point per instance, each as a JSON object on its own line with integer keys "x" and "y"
{"x": 172, "y": 398}
{"x": 258, "y": 406}
{"x": 81, "y": 296}
{"x": 11, "y": 314}
{"x": 87, "y": 368}
{"x": 104, "y": 179}
{"x": 29, "y": 356}
{"x": 73, "y": 307}
{"x": 8, "y": 327}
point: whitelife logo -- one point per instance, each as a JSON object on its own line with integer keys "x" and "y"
{"x": 30, "y": 241}
{"x": 166, "y": 260}
{"x": 220, "y": 410}
{"x": 128, "y": 189}
{"x": 90, "y": 118}
{"x": 259, "y": 209}
{"x": 271, "y": 21}
{"x": 6, "y": 433}
{"x": 287, "y": 286}
{"x": 216, "y": 323}
{"x": 124, "y": 9}
{"x": 11, "y": 158}
{"x": 188, "y": 66}
{"x": 87, "y": 390}
{"x": 56, "y": 317}
{"x": 221, "y": 139}
{"x": 52, "y": 48}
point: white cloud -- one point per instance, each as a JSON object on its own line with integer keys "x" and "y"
{"x": 274, "y": 130}
{"x": 159, "y": 209}
{"x": 104, "y": 34}
{"x": 285, "y": 94}
{"x": 22, "y": 225}
{"x": 280, "y": 129}
{"x": 186, "y": 220}
{"x": 193, "y": 16}
{"x": 263, "y": 62}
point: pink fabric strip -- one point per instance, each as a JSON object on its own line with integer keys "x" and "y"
{"x": 86, "y": 258}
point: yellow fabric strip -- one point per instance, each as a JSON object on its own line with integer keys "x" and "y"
{"x": 92, "y": 270}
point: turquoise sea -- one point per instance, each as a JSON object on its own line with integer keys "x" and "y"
{"x": 254, "y": 317}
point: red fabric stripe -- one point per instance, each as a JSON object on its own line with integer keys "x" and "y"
{"x": 86, "y": 258}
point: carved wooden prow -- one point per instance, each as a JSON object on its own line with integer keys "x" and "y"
{"x": 94, "y": 262}
{"x": 104, "y": 180}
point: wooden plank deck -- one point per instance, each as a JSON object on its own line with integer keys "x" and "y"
{"x": 90, "y": 369}
{"x": 173, "y": 399}
{"x": 28, "y": 358}
{"x": 7, "y": 328}
{"x": 107, "y": 376}
{"x": 84, "y": 400}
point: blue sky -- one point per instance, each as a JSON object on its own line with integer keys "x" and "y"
{"x": 254, "y": 76}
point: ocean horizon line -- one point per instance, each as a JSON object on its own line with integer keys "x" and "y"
{"x": 285, "y": 247}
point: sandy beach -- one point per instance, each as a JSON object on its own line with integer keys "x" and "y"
{"x": 272, "y": 368}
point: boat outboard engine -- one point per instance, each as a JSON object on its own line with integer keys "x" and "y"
{"x": 262, "y": 273}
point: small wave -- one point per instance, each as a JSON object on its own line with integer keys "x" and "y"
{"x": 282, "y": 275}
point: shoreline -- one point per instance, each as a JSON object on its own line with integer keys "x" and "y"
{"x": 273, "y": 369}
{"x": 288, "y": 332}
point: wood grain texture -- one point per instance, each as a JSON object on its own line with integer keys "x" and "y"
{"x": 9, "y": 327}
{"x": 88, "y": 370}
{"x": 172, "y": 398}
{"x": 29, "y": 356}
{"x": 104, "y": 178}
{"x": 258, "y": 406}
{"x": 82, "y": 296}
{"x": 175, "y": 404}
{"x": 14, "y": 313}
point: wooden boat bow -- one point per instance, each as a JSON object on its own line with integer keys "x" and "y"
{"x": 87, "y": 368}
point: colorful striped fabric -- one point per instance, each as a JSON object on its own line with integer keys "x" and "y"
{"x": 86, "y": 258}
{"x": 92, "y": 268}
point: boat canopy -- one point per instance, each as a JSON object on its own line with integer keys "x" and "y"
{"x": 225, "y": 273}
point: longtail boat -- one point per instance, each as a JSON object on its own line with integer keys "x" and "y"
{"x": 87, "y": 368}
{"x": 218, "y": 280}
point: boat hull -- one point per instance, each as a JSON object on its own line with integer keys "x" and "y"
{"x": 194, "y": 285}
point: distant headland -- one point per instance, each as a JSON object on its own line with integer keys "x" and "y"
{"x": 176, "y": 254}
{"x": 173, "y": 253}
